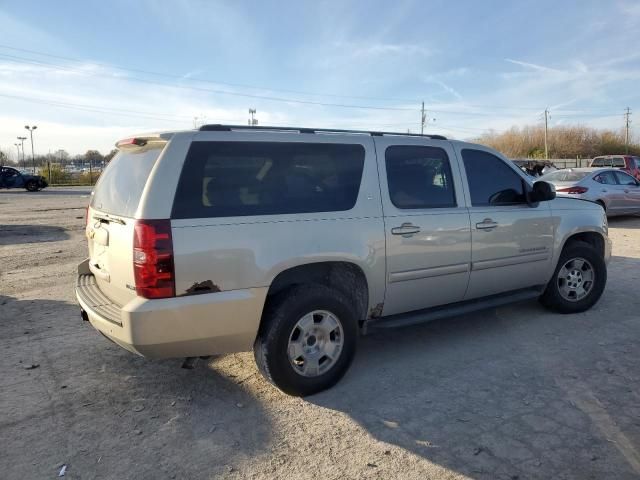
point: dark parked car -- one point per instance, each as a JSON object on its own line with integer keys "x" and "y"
{"x": 12, "y": 178}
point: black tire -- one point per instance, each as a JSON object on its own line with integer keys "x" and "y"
{"x": 552, "y": 298}
{"x": 32, "y": 186}
{"x": 279, "y": 319}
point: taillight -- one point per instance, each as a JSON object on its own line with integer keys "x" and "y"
{"x": 153, "y": 259}
{"x": 573, "y": 190}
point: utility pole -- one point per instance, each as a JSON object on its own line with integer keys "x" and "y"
{"x": 33, "y": 157}
{"x": 253, "y": 121}
{"x": 423, "y": 119}
{"x": 546, "y": 128}
{"x": 627, "y": 122}
{"x": 22, "y": 139}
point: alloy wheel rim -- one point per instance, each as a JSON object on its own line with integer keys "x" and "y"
{"x": 315, "y": 343}
{"x": 576, "y": 279}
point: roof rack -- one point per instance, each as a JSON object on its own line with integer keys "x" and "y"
{"x": 227, "y": 128}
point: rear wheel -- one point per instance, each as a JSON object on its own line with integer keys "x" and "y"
{"x": 307, "y": 339}
{"x": 32, "y": 186}
{"x": 578, "y": 281}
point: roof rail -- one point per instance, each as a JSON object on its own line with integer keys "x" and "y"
{"x": 227, "y": 128}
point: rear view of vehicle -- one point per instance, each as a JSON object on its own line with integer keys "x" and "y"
{"x": 129, "y": 259}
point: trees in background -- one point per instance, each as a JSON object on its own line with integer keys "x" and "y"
{"x": 564, "y": 142}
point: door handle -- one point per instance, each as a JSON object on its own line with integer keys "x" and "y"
{"x": 486, "y": 224}
{"x": 405, "y": 229}
{"x": 626, "y": 191}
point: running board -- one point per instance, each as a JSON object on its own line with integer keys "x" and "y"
{"x": 451, "y": 310}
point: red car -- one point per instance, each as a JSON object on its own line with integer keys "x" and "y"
{"x": 628, "y": 163}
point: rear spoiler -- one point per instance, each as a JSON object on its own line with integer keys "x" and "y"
{"x": 142, "y": 141}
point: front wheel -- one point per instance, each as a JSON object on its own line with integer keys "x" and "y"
{"x": 307, "y": 339}
{"x": 32, "y": 186}
{"x": 578, "y": 281}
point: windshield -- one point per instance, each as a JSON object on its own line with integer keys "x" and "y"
{"x": 564, "y": 176}
{"x": 120, "y": 186}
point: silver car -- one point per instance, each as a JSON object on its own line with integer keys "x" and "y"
{"x": 617, "y": 191}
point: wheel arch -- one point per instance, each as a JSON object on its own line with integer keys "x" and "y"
{"x": 345, "y": 276}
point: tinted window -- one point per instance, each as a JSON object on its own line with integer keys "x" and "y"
{"x": 598, "y": 162}
{"x": 606, "y": 178}
{"x": 225, "y": 179}
{"x": 491, "y": 181}
{"x": 637, "y": 161}
{"x": 624, "y": 179}
{"x": 419, "y": 177}
{"x": 120, "y": 186}
{"x": 618, "y": 162}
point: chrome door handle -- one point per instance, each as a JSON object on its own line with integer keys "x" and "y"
{"x": 405, "y": 229}
{"x": 486, "y": 224}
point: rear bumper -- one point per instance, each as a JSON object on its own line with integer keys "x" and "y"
{"x": 188, "y": 326}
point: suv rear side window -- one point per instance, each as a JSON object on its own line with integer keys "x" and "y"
{"x": 419, "y": 177}
{"x": 491, "y": 181}
{"x": 227, "y": 179}
{"x": 598, "y": 162}
{"x": 120, "y": 186}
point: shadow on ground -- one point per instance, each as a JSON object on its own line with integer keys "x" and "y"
{"x": 50, "y": 191}
{"x": 509, "y": 393}
{"x": 19, "y": 234}
{"x": 107, "y": 413}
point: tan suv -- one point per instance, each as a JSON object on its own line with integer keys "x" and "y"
{"x": 295, "y": 241}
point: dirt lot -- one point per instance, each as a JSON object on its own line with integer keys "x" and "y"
{"x": 511, "y": 393}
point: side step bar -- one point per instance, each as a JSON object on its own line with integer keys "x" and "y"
{"x": 451, "y": 310}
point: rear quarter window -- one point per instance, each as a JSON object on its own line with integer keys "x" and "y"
{"x": 227, "y": 179}
{"x": 120, "y": 186}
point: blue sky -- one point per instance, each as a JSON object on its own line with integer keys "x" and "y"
{"x": 86, "y": 72}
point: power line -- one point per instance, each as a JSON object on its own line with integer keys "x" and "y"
{"x": 182, "y": 78}
{"x": 257, "y": 96}
{"x": 100, "y": 109}
{"x": 15, "y": 59}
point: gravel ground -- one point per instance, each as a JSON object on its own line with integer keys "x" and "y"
{"x": 510, "y": 393}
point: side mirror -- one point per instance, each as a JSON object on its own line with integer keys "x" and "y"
{"x": 542, "y": 191}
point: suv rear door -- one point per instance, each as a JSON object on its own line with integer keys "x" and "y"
{"x": 111, "y": 217}
{"x": 426, "y": 223}
{"x": 511, "y": 242}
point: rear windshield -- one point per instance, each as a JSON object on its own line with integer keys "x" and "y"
{"x": 120, "y": 186}
{"x": 564, "y": 176}
{"x": 225, "y": 179}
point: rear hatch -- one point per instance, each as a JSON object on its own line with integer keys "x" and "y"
{"x": 111, "y": 213}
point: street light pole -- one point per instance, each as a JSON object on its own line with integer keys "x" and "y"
{"x": 33, "y": 157}
{"x": 22, "y": 139}
{"x": 18, "y": 148}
